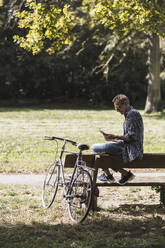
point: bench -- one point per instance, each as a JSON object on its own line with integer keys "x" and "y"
{"x": 149, "y": 161}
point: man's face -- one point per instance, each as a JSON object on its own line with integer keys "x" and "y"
{"x": 121, "y": 108}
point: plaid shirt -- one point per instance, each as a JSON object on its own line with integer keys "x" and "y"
{"x": 133, "y": 131}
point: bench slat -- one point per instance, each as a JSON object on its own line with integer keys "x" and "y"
{"x": 150, "y": 160}
{"x": 70, "y": 160}
{"x": 131, "y": 184}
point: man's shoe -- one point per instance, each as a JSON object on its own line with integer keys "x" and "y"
{"x": 126, "y": 178}
{"x": 104, "y": 178}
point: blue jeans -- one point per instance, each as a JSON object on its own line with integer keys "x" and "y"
{"x": 111, "y": 148}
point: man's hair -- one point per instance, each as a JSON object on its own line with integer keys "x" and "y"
{"x": 121, "y": 99}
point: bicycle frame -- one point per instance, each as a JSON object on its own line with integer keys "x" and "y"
{"x": 77, "y": 164}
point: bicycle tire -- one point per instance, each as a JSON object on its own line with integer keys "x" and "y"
{"x": 50, "y": 185}
{"x": 80, "y": 197}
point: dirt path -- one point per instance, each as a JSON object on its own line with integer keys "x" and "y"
{"x": 37, "y": 179}
{"x": 22, "y": 179}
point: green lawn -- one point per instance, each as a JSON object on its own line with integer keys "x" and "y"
{"x": 128, "y": 217}
{"x": 22, "y": 130}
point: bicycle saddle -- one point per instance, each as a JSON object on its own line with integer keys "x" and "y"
{"x": 83, "y": 146}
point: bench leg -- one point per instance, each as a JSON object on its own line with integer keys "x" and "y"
{"x": 162, "y": 194}
{"x": 95, "y": 189}
{"x": 95, "y": 196}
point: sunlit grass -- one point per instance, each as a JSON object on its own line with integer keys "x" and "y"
{"x": 22, "y": 130}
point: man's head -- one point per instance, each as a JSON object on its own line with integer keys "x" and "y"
{"x": 121, "y": 103}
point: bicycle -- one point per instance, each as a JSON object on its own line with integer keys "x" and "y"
{"x": 77, "y": 191}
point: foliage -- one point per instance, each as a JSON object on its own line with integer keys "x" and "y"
{"x": 56, "y": 24}
{"x": 53, "y": 24}
{"x": 73, "y": 72}
{"x": 95, "y": 67}
{"x": 125, "y": 17}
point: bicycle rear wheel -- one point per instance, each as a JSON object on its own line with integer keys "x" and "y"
{"x": 80, "y": 197}
{"x": 50, "y": 185}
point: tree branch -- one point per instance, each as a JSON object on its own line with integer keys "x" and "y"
{"x": 100, "y": 68}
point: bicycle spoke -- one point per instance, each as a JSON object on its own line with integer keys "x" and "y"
{"x": 80, "y": 197}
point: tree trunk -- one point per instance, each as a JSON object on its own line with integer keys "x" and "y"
{"x": 153, "y": 101}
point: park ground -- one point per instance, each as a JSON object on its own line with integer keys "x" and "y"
{"x": 126, "y": 217}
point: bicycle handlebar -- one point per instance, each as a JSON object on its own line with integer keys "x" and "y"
{"x": 57, "y": 138}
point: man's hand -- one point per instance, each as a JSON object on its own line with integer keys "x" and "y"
{"x": 112, "y": 137}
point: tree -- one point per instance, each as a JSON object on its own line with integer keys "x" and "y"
{"x": 50, "y": 28}
{"x": 153, "y": 102}
{"x": 129, "y": 17}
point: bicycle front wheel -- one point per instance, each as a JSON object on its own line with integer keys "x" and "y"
{"x": 80, "y": 197}
{"x": 50, "y": 185}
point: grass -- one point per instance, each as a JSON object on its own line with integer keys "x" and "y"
{"x": 127, "y": 217}
{"x": 23, "y": 149}
{"x": 24, "y": 223}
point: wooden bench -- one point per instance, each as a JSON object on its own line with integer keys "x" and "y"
{"x": 149, "y": 161}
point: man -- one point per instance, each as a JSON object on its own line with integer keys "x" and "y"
{"x": 129, "y": 145}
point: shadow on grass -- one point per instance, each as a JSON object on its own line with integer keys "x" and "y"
{"x": 105, "y": 228}
{"x": 55, "y": 106}
{"x": 138, "y": 209}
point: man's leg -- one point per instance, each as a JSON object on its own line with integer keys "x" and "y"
{"x": 113, "y": 149}
{"x": 110, "y": 148}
